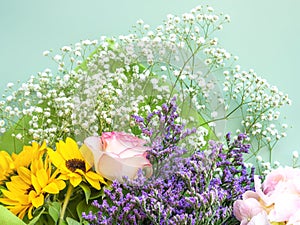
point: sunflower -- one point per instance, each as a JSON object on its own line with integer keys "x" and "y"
{"x": 9, "y": 164}
{"x": 6, "y": 166}
{"x": 25, "y": 157}
{"x": 72, "y": 166}
{"x": 27, "y": 190}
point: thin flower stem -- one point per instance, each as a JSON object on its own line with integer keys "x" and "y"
{"x": 66, "y": 202}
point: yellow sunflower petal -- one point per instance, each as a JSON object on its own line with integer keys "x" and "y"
{"x": 10, "y": 195}
{"x": 95, "y": 176}
{"x": 60, "y": 184}
{"x": 87, "y": 155}
{"x": 35, "y": 183}
{"x": 8, "y": 201}
{"x": 29, "y": 153}
{"x": 17, "y": 186}
{"x": 37, "y": 200}
{"x": 42, "y": 177}
{"x": 57, "y": 159}
{"x": 95, "y": 183}
{"x": 20, "y": 210}
{"x": 55, "y": 186}
{"x": 24, "y": 174}
{"x": 30, "y": 212}
{"x": 69, "y": 149}
{"x": 75, "y": 180}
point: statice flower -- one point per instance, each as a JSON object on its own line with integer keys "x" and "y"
{"x": 187, "y": 187}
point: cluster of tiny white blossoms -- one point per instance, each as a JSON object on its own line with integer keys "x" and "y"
{"x": 100, "y": 84}
{"x": 266, "y": 167}
{"x": 259, "y": 104}
{"x": 41, "y": 108}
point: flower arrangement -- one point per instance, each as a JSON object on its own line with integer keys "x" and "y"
{"x": 136, "y": 130}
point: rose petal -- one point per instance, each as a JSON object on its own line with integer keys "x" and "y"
{"x": 95, "y": 145}
{"x": 116, "y": 168}
{"x": 130, "y": 152}
{"x": 118, "y": 141}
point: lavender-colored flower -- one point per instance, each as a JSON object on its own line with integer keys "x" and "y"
{"x": 186, "y": 188}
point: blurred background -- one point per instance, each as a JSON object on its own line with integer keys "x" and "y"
{"x": 264, "y": 34}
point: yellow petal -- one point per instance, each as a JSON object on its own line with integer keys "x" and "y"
{"x": 95, "y": 183}
{"x": 30, "y": 212}
{"x": 37, "y": 201}
{"x": 35, "y": 183}
{"x": 56, "y": 159}
{"x": 20, "y": 211}
{"x": 42, "y": 177}
{"x": 55, "y": 186}
{"x": 60, "y": 184}
{"x": 51, "y": 189}
{"x": 24, "y": 174}
{"x": 69, "y": 149}
{"x": 76, "y": 180}
{"x": 87, "y": 155}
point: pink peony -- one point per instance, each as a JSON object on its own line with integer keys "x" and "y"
{"x": 278, "y": 196}
{"x": 278, "y": 178}
{"x": 295, "y": 219}
{"x": 259, "y": 219}
{"x": 285, "y": 206}
{"x": 245, "y": 210}
{"x": 117, "y": 154}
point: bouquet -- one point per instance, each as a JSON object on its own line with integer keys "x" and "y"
{"x": 155, "y": 127}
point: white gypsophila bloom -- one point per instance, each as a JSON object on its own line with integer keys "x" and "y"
{"x": 295, "y": 154}
{"x": 137, "y": 73}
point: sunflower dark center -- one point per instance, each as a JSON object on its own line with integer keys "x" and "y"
{"x": 74, "y": 164}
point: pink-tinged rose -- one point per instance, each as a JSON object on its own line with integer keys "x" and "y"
{"x": 245, "y": 210}
{"x": 277, "y": 179}
{"x": 117, "y": 154}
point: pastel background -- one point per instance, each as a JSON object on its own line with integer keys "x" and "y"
{"x": 265, "y": 34}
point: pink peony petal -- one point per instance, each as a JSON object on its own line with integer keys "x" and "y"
{"x": 295, "y": 218}
{"x": 285, "y": 206}
{"x": 258, "y": 188}
{"x": 245, "y": 210}
{"x": 259, "y": 219}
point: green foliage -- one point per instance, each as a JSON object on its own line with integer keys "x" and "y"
{"x": 8, "y": 218}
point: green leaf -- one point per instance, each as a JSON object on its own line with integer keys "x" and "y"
{"x": 54, "y": 211}
{"x": 10, "y": 143}
{"x": 87, "y": 191}
{"x": 71, "y": 221}
{"x": 8, "y": 218}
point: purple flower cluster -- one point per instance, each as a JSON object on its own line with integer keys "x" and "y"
{"x": 196, "y": 188}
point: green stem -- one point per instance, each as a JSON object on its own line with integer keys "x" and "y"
{"x": 66, "y": 201}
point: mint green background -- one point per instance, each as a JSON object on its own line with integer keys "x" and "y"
{"x": 263, "y": 33}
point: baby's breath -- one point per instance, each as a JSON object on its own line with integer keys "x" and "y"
{"x": 99, "y": 84}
